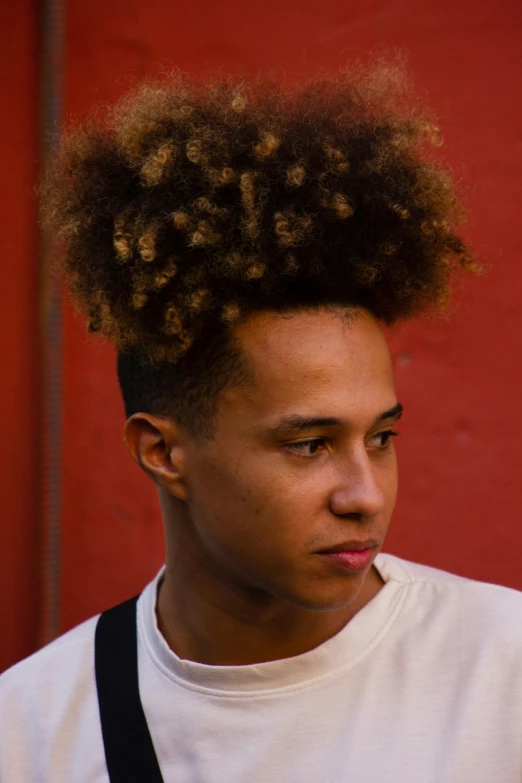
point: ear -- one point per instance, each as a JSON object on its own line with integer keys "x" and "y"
{"x": 157, "y": 445}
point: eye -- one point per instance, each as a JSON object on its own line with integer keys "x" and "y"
{"x": 383, "y": 439}
{"x": 307, "y": 448}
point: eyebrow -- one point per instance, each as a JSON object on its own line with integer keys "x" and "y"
{"x": 297, "y": 423}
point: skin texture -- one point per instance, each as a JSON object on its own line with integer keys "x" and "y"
{"x": 247, "y": 512}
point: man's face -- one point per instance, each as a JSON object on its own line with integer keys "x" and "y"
{"x": 302, "y": 460}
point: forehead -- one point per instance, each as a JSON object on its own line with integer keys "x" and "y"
{"x": 334, "y": 357}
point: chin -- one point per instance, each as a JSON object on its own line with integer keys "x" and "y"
{"x": 327, "y": 601}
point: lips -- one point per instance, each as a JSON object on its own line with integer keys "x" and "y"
{"x": 354, "y": 556}
{"x": 350, "y": 546}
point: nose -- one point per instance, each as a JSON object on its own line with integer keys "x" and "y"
{"x": 358, "y": 493}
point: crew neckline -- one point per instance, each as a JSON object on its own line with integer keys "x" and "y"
{"x": 344, "y": 650}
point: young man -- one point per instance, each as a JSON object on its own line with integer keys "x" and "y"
{"x": 242, "y": 244}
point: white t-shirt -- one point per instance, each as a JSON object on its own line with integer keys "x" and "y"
{"x": 423, "y": 685}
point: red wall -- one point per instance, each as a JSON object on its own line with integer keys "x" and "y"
{"x": 461, "y": 443}
{"x": 19, "y": 478}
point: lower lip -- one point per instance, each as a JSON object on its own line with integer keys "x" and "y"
{"x": 350, "y": 561}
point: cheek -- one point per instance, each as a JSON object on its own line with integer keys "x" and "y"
{"x": 387, "y": 478}
{"x": 249, "y": 524}
{"x": 250, "y": 501}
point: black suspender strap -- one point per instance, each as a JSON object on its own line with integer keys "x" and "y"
{"x": 129, "y": 751}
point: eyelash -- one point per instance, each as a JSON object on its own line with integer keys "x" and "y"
{"x": 299, "y": 447}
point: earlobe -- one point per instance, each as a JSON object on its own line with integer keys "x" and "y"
{"x": 156, "y": 445}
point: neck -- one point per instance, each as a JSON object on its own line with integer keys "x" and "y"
{"x": 210, "y": 620}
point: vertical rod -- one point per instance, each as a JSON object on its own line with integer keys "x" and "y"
{"x": 51, "y": 91}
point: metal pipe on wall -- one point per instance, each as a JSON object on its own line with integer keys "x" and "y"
{"x": 52, "y": 39}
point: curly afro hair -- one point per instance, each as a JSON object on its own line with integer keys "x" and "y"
{"x": 190, "y": 205}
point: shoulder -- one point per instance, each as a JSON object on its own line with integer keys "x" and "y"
{"x": 50, "y": 673}
{"x": 399, "y": 570}
{"x": 48, "y": 706}
{"x": 487, "y": 613}
{"x": 49, "y": 688}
